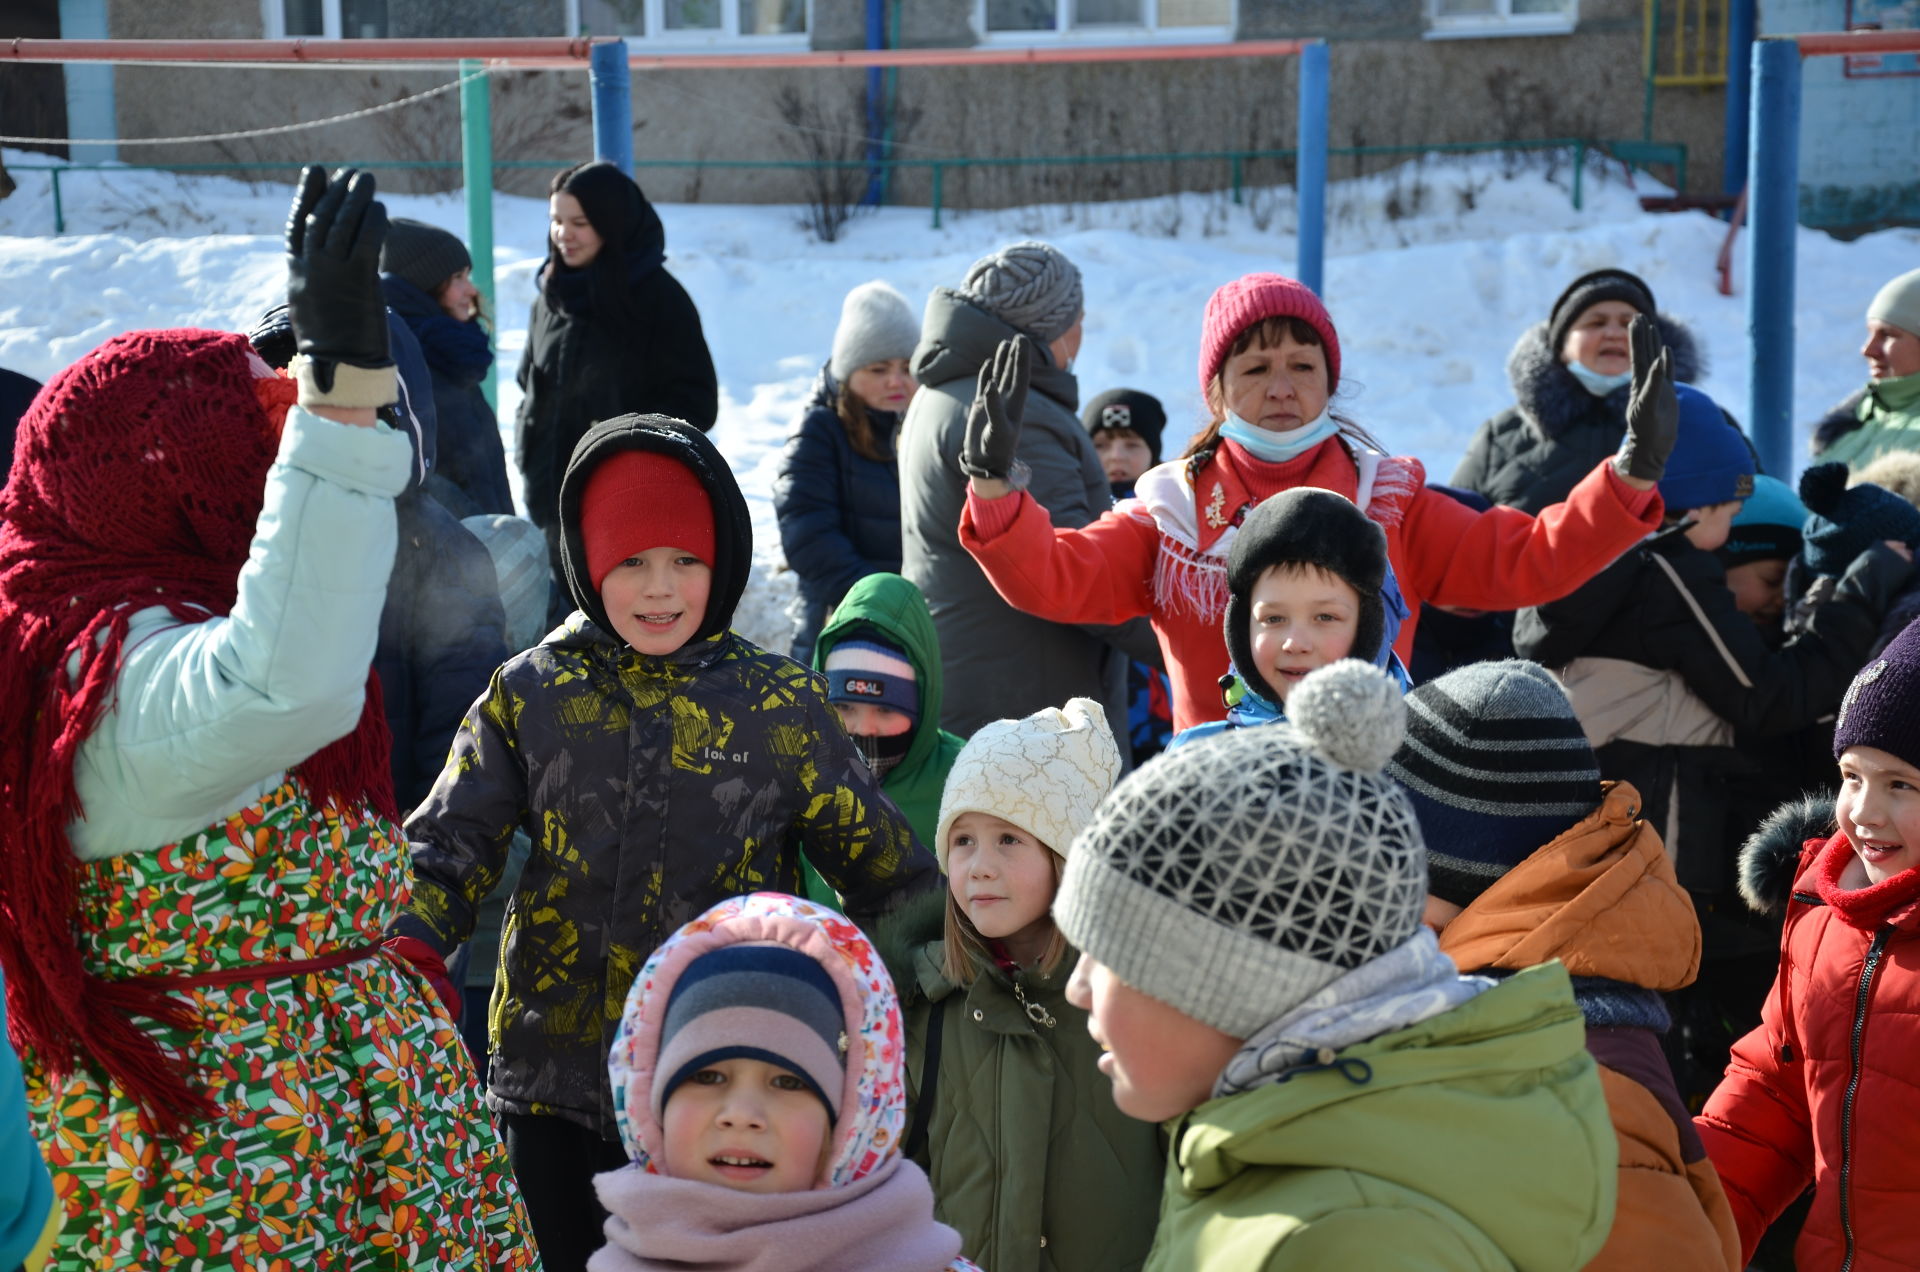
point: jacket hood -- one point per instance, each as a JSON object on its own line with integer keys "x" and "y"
{"x": 957, "y": 338}
{"x": 1838, "y": 422}
{"x": 1602, "y": 898}
{"x": 874, "y": 1098}
{"x": 895, "y": 608}
{"x": 732, "y": 531}
{"x": 1552, "y": 401}
{"x": 1506, "y": 1074}
{"x": 1770, "y": 859}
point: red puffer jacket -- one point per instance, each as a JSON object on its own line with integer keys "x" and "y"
{"x": 1827, "y": 1089}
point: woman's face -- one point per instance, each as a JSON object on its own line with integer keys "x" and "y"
{"x": 883, "y": 386}
{"x": 573, "y": 235}
{"x": 459, "y": 297}
{"x": 1278, "y": 388}
{"x": 1598, "y": 338}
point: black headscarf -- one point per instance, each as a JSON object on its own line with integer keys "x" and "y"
{"x": 633, "y": 244}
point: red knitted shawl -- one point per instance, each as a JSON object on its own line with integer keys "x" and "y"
{"x": 137, "y": 477}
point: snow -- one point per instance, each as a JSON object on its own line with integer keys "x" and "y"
{"x": 1433, "y": 270}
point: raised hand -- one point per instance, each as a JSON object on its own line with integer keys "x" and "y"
{"x": 334, "y": 301}
{"x": 1653, "y": 412}
{"x": 999, "y": 405}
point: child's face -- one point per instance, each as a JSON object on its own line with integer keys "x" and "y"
{"x": 1759, "y": 589}
{"x": 656, "y": 600}
{"x": 747, "y": 1125}
{"x": 1712, "y": 525}
{"x": 1123, "y": 453}
{"x": 1303, "y": 618}
{"x": 1004, "y": 880}
{"x": 1162, "y": 1061}
{"x": 871, "y": 720}
{"x": 1879, "y": 809}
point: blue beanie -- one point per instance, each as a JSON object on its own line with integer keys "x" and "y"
{"x": 1711, "y": 461}
{"x": 1843, "y": 521}
{"x": 1767, "y": 527}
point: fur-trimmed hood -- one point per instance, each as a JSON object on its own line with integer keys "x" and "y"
{"x": 1552, "y": 401}
{"x": 1770, "y": 859}
{"x": 1838, "y": 422}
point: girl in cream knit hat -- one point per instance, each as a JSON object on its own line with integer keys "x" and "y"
{"x": 1029, "y": 1156}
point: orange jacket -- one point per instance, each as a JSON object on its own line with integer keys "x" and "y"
{"x": 1603, "y": 899}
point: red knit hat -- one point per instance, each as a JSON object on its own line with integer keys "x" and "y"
{"x": 1254, "y": 298}
{"x": 638, "y": 500}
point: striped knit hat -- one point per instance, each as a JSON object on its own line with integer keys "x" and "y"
{"x": 871, "y": 669}
{"x": 1496, "y": 765}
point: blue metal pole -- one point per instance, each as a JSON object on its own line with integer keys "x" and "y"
{"x": 476, "y": 166}
{"x": 1740, "y": 27}
{"x": 1310, "y": 179}
{"x": 876, "y": 100}
{"x": 612, "y": 105}
{"x": 1773, "y": 214}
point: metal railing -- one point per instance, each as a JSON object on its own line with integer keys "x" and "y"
{"x": 1635, "y": 154}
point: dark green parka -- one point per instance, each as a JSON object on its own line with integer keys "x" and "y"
{"x": 1028, "y": 1154}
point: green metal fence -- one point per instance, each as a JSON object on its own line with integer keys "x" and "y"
{"x": 1633, "y": 153}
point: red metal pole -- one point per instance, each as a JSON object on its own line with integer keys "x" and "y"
{"x": 560, "y": 52}
{"x": 556, "y": 50}
{"x": 1839, "y": 43}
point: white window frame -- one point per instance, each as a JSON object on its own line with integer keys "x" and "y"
{"x": 1148, "y": 31}
{"x": 1503, "y": 22}
{"x": 659, "y": 38}
{"x": 273, "y": 19}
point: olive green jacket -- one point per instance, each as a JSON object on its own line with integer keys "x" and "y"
{"x": 1028, "y": 1155}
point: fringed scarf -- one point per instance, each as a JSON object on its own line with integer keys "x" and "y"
{"x": 137, "y": 480}
{"x": 1197, "y": 509}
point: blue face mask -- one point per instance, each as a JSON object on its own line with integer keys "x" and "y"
{"x": 1595, "y": 383}
{"x": 1277, "y": 448}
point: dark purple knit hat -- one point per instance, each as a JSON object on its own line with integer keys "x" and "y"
{"x": 1882, "y": 706}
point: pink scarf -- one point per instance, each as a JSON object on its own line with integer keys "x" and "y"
{"x": 881, "y": 1222}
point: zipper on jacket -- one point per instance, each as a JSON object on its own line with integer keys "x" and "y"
{"x": 1865, "y": 992}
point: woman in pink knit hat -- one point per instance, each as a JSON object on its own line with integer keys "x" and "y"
{"x": 1269, "y": 367}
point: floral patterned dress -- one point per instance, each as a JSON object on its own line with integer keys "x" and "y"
{"x": 353, "y": 1135}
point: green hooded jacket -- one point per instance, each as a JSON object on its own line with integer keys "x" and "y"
{"x": 1477, "y": 1139}
{"x": 895, "y": 608}
{"x": 1028, "y": 1155}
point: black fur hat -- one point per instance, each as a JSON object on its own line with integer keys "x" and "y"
{"x": 1770, "y": 858}
{"x": 1309, "y": 526}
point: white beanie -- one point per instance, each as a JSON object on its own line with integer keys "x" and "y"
{"x": 876, "y": 324}
{"x": 1045, "y": 774}
{"x": 1898, "y": 303}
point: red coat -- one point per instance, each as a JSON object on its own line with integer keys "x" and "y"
{"x": 1827, "y": 1089}
{"x": 1163, "y": 554}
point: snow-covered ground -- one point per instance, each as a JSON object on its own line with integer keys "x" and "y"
{"x": 1433, "y": 270}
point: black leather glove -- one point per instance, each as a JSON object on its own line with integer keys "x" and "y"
{"x": 334, "y": 301}
{"x": 999, "y": 405}
{"x": 1653, "y": 412}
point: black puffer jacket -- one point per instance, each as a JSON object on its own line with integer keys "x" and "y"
{"x": 652, "y": 787}
{"x": 1531, "y": 454}
{"x": 583, "y": 365}
{"x": 1666, "y": 606}
{"x": 839, "y": 511}
{"x": 468, "y": 452}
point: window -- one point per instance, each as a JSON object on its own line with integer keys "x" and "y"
{"x": 1103, "y": 21}
{"x": 1448, "y": 19}
{"x": 763, "y": 22}
{"x": 325, "y": 19}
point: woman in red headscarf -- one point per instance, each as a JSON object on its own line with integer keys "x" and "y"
{"x": 198, "y": 848}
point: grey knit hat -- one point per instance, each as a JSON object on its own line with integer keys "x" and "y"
{"x": 1235, "y": 877}
{"x": 1898, "y": 303}
{"x": 425, "y": 255}
{"x": 876, "y": 325}
{"x": 1028, "y": 285}
{"x": 1496, "y": 765}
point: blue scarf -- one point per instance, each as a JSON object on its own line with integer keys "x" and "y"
{"x": 1277, "y": 448}
{"x": 1595, "y": 383}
